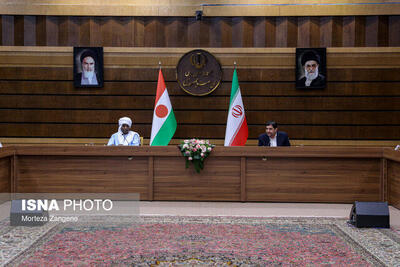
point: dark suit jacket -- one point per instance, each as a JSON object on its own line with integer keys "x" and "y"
{"x": 282, "y": 139}
{"x": 317, "y": 82}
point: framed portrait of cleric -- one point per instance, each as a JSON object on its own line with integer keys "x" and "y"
{"x": 88, "y": 66}
{"x": 310, "y": 68}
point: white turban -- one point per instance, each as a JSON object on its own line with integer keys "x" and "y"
{"x": 125, "y": 120}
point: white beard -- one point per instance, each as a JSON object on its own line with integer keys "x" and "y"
{"x": 88, "y": 74}
{"x": 310, "y": 76}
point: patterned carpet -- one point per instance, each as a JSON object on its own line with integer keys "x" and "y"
{"x": 193, "y": 241}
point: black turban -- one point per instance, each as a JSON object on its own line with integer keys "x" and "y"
{"x": 310, "y": 55}
{"x": 88, "y": 53}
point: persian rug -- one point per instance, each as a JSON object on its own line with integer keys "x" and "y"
{"x": 198, "y": 241}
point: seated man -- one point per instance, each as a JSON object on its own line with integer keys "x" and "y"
{"x": 273, "y": 137}
{"x": 124, "y": 137}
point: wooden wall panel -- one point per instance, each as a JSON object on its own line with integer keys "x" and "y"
{"x": 281, "y": 31}
{"x": 303, "y": 33}
{"x": 205, "y": 33}
{"x": 19, "y": 32}
{"x": 349, "y": 31}
{"x": 226, "y": 32}
{"x": 138, "y": 31}
{"x": 361, "y": 101}
{"x": 260, "y": 34}
{"x": 393, "y": 31}
{"x": 219, "y": 180}
{"x": 40, "y": 30}
{"x": 1, "y": 29}
{"x": 307, "y": 31}
{"x": 182, "y": 102}
{"x": 65, "y": 174}
{"x": 209, "y": 131}
{"x": 315, "y": 35}
{"x": 297, "y": 174}
{"x": 359, "y": 32}
{"x": 245, "y": 75}
{"x": 193, "y": 32}
{"x": 250, "y": 89}
{"x": 29, "y": 31}
{"x": 243, "y": 29}
{"x": 111, "y": 116}
{"x": 270, "y": 28}
{"x": 355, "y": 179}
{"x": 73, "y": 32}
{"x": 84, "y": 31}
{"x": 338, "y": 32}
{"x": 371, "y": 31}
{"x": 106, "y": 31}
{"x": 52, "y": 32}
{"x": 63, "y": 30}
{"x": 175, "y": 32}
{"x": 7, "y": 25}
{"x": 292, "y": 32}
{"x": 154, "y": 32}
{"x": 326, "y": 27}
{"x": 238, "y": 30}
{"x": 5, "y": 175}
{"x": 215, "y": 32}
{"x": 383, "y": 31}
{"x": 124, "y": 32}
{"x": 393, "y": 174}
{"x": 95, "y": 31}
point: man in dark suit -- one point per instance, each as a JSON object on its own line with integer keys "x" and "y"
{"x": 273, "y": 137}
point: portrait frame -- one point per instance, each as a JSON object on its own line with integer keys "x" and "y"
{"x": 96, "y": 80}
{"x": 304, "y": 55}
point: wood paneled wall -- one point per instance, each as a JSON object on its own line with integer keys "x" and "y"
{"x": 393, "y": 173}
{"x": 361, "y": 101}
{"x": 6, "y": 169}
{"x": 332, "y": 31}
{"x": 210, "y": 8}
{"x": 5, "y": 174}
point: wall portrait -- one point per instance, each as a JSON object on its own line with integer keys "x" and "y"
{"x": 310, "y": 68}
{"x": 88, "y": 66}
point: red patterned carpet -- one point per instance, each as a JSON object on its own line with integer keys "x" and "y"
{"x": 209, "y": 241}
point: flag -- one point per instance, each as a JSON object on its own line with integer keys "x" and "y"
{"x": 236, "y": 127}
{"x": 164, "y": 122}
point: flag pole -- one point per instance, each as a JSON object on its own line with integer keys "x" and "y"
{"x": 159, "y": 64}
{"x": 234, "y": 65}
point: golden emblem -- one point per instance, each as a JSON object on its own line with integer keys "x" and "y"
{"x": 198, "y": 72}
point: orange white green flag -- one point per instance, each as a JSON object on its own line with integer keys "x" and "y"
{"x": 164, "y": 122}
{"x": 237, "y": 132}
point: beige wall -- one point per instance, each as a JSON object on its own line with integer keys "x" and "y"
{"x": 188, "y": 8}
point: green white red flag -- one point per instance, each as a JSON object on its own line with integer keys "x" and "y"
{"x": 237, "y": 132}
{"x": 164, "y": 122}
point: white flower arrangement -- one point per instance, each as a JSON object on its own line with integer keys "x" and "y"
{"x": 195, "y": 151}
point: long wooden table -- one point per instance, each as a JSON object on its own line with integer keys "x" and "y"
{"x": 282, "y": 174}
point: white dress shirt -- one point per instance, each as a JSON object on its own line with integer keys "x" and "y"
{"x": 272, "y": 141}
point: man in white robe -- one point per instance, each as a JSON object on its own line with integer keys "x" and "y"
{"x": 124, "y": 136}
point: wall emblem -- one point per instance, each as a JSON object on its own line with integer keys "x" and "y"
{"x": 198, "y": 72}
